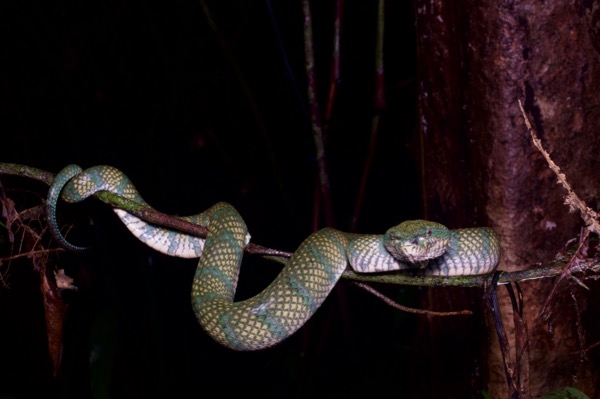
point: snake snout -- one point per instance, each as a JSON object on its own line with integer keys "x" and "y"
{"x": 423, "y": 250}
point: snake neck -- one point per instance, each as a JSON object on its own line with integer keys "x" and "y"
{"x": 367, "y": 254}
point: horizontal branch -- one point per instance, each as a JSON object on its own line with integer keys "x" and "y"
{"x": 153, "y": 216}
{"x": 552, "y": 270}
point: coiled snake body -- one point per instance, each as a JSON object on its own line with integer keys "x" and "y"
{"x": 310, "y": 274}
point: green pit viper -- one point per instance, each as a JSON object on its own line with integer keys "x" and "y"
{"x": 308, "y": 277}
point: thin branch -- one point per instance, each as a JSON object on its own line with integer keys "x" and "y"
{"x": 30, "y": 246}
{"x": 587, "y": 349}
{"x": 315, "y": 116}
{"x": 521, "y": 367}
{"x": 153, "y": 216}
{"x": 580, "y": 331}
{"x": 494, "y": 306}
{"x": 564, "y": 273}
{"x": 335, "y": 77}
{"x": 586, "y": 265}
{"x": 589, "y": 216}
{"x": 396, "y": 305}
{"x": 31, "y": 253}
{"x": 26, "y": 171}
{"x": 552, "y": 270}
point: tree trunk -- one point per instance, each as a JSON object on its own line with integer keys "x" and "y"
{"x": 476, "y": 60}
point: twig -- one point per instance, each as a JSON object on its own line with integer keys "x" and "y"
{"x": 153, "y": 216}
{"x": 551, "y": 270}
{"x": 494, "y": 306}
{"x": 580, "y": 332}
{"x": 564, "y": 273}
{"x": 588, "y": 348}
{"x": 31, "y": 253}
{"x": 315, "y": 116}
{"x": 335, "y": 77}
{"x": 396, "y": 305}
{"x": 589, "y": 216}
{"x": 30, "y": 246}
{"x": 521, "y": 370}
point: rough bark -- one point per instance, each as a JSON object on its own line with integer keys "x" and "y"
{"x": 476, "y": 60}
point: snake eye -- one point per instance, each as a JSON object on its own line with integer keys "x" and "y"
{"x": 428, "y": 232}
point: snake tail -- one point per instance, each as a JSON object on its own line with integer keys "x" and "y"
{"x": 73, "y": 185}
{"x": 54, "y": 193}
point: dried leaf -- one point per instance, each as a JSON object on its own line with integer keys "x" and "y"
{"x": 55, "y": 310}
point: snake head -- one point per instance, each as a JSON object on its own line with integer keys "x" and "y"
{"x": 417, "y": 241}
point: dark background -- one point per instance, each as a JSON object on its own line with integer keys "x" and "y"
{"x": 194, "y": 116}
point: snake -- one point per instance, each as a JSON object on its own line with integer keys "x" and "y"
{"x": 297, "y": 292}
